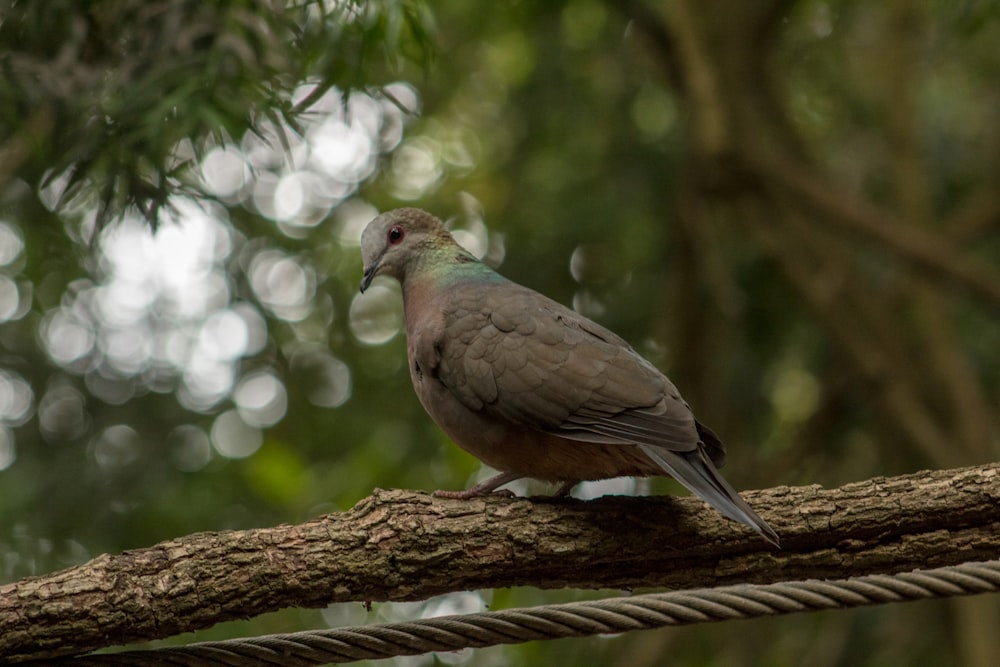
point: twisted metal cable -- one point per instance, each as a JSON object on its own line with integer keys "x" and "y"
{"x": 575, "y": 619}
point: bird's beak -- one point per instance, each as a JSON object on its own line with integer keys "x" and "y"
{"x": 369, "y": 276}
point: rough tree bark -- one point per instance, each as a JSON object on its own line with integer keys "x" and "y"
{"x": 406, "y": 545}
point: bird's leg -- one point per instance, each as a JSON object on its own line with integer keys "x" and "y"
{"x": 483, "y": 488}
{"x": 564, "y": 489}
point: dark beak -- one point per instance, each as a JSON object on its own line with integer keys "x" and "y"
{"x": 369, "y": 276}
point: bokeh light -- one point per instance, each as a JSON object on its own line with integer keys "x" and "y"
{"x": 416, "y": 168}
{"x": 375, "y": 316}
{"x": 473, "y": 236}
{"x": 14, "y": 298}
{"x": 11, "y": 243}
{"x": 189, "y": 448}
{"x": 225, "y": 172}
{"x": 224, "y": 335}
{"x": 16, "y": 398}
{"x": 326, "y": 378}
{"x": 795, "y": 394}
{"x": 116, "y": 447}
{"x": 233, "y": 438}
{"x": 297, "y": 177}
{"x": 282, "y": 284}
{"x": 66, "y": 337}
{"x": 8, "y": 451}
{"x": 261, "y": 399}
{"x": 159, "y": 308}
{"x": 62, "y": 413}
{"x": 352, "y": 217}
{"x": 180, "y": 309}
{"x": 10, "y": 299}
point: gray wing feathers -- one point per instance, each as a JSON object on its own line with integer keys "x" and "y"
{"x": 522, "y": 357}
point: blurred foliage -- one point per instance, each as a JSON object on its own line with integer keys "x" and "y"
{"x": 225, "y": 374}
{"x": 111, "y": 93}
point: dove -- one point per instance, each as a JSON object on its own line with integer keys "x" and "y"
{"x": 531, "y": 387}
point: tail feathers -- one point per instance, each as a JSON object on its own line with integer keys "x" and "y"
{"x": 696, "y": 472}
{"x": 713, "y": 445}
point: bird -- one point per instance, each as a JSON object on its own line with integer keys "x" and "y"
{"x": 531, "y": 387}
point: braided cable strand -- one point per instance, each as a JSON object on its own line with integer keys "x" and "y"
{"x": 575, "y": 619}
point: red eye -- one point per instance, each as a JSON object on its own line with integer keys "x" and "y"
{"x": 395, "y": 235}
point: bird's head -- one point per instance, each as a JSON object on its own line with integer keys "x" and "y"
{"x": 393, "y": 241}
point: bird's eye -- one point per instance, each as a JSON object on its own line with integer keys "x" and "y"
{"x": 395, "y": 235}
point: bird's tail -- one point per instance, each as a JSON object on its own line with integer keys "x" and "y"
{"x": 696, "y": 472}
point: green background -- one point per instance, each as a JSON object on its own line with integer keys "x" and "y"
{"x": 227, "y": 375}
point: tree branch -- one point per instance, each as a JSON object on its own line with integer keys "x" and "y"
{"x": 921, "y": 249}
{"x": 406, "y": 545}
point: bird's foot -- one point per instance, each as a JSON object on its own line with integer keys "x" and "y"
{"x": 484, "y": 488}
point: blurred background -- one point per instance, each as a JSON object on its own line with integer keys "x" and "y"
{"x": 792, "y": 208}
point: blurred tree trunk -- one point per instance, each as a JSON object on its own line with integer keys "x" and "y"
{"x": 753, "y": 169}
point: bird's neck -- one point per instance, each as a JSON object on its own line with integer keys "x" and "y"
{"x": 439, "y": 271}
{"x": 439, "y": 267}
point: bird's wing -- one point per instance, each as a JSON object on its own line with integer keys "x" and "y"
{"x": 519, "y": 356}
